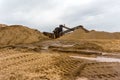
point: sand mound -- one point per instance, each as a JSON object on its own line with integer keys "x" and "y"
{"x": 82, "y": 34}
{"x": 3, "y": 25}
{"x": 17, "y": 34}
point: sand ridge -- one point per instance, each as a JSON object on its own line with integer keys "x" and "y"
{"x": 82, "y": 34}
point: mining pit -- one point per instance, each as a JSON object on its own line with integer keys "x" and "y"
{"x": 36, "y": 57}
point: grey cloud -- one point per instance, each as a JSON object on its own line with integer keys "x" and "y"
{"x": 21, "y": 11}
{"x": 47, "y": 14}
{"x": 100, "y": 15}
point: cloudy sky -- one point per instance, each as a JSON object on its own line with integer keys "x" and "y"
{"x": 45, "y": 15}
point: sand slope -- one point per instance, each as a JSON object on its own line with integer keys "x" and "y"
{"x": 82, "y": 34}
{"x": 17, "y": 34}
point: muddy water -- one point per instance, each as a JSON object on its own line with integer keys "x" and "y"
{"x": 46, "y": 45}
{"x": 99, "y": 59}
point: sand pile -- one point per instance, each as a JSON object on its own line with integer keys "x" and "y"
{"x": 82, "y": 34}
{"x": 3, "y": 25}
{"x": 94, "y": 40}
{"x": 17, "y": 34}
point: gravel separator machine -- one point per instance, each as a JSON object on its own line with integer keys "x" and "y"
{"x": 52, "y": 35}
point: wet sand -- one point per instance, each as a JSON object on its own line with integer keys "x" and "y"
{"x": 47, "y": 59}
{"x": 99, "y": 59}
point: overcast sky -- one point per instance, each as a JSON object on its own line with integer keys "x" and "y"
{"x": 102, "y": 15}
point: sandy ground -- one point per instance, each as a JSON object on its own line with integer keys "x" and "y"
{"x": 57, "y": 61}
{"x": 105, "y": 66}
{"x": 17, "y": 65}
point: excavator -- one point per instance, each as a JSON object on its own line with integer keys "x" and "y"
{"x": 52, "y": 35}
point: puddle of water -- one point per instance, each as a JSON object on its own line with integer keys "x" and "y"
{"x": 62, "y": 45}
{"x": 106, "y": 59}
{"x": 99, "y": 59}
{"x": 56, "y": 45}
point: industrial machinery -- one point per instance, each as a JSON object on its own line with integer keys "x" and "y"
{"x": 52, "y": 35}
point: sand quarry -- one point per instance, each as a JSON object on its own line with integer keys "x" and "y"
{"x": 26, "y": 54}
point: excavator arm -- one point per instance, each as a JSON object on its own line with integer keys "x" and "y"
{"x": 66, "y": 27}
{"x": 70, "y": 29}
